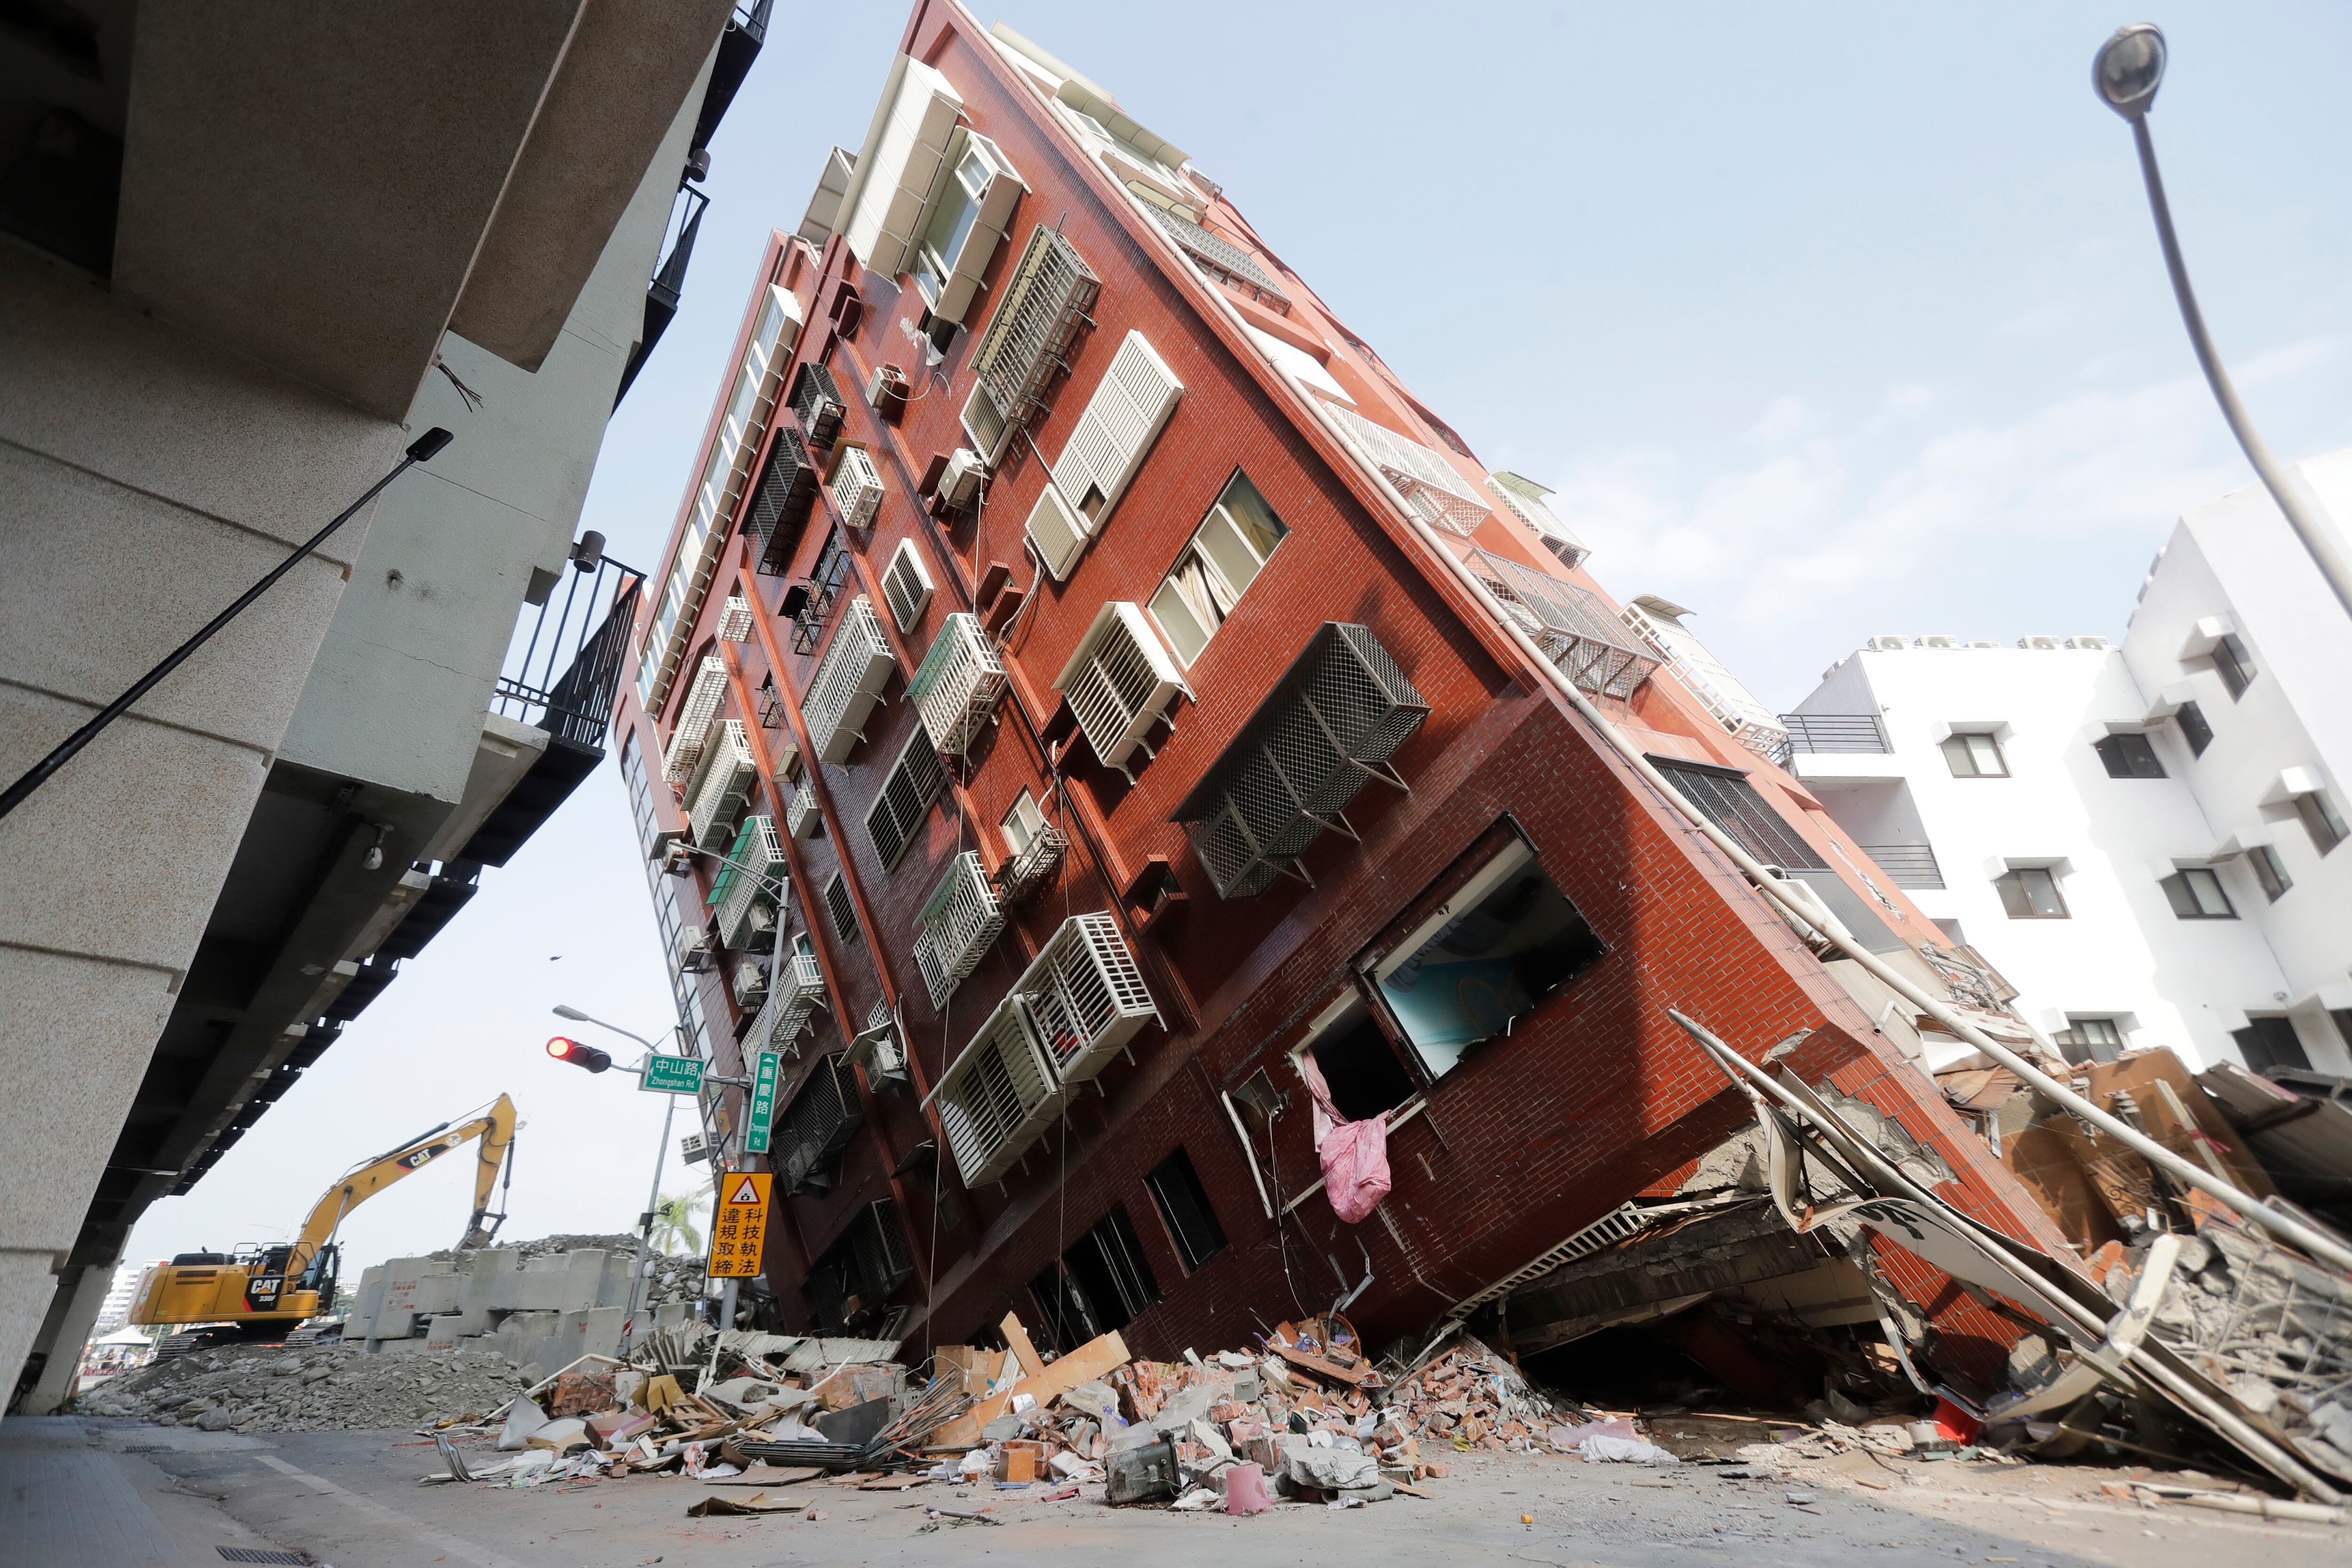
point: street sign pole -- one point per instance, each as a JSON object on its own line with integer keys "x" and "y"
{"x": 671, "y": 1075}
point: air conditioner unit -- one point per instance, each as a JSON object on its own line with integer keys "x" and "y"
{"x": 1056, "y": 531}
{"x": 750, "y": 984}
{"x": 677, "y": 859}
{"x": 801, "y": 818}
{"x": 694, "y": 1148}
{"x": 1887, "y": 643}
{"x": 856, "y": 487}
{"x": 960, "y": 484}
{"x": 692, "y": 949}
{"x": 2088, "y": 644}
{"x": 886, "y": 383}
{"x": 735, "y": 619}
{"x": 907, "y": 585}
{"x": 1940, "y": 641}
{"x": 2040, "y": 644}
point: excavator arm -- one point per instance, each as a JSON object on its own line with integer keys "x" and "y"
{"x": 495, "y": 1128}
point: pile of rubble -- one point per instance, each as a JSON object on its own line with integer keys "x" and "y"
{"x": 269, "y": 1388}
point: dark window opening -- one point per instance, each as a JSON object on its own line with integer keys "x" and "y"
{"x": 2195, "y": 894}
{"x": 2270, "y": 871}
{"x": 2234, "y": 665}
{"x": 2090, "y": 1040}
{"x": 2193, "y": 728}
{"x": 1488, "y": 958}
{"x": 1732, "y": 803}
{"x": 1361, "y": 1069}
{"x": 2129, "y": 756}
{"x": 2271, "y": 1042}
{"x": 1101, "y": 1284}
{"x": 2321, "y": 820}
{"x": 2030, "y": 893}
{"x": 1184, "y": 1204}
{"x": 837, "y": 905}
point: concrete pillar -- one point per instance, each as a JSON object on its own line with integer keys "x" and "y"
{"x": 63, "y": 1334}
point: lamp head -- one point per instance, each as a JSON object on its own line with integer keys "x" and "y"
{"x": 574, "y": 1013}
{"x": 2130, "y": 69}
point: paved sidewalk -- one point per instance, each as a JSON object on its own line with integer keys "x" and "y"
{"x": 65, "y": 1503}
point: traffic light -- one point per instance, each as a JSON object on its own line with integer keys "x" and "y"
{"x": 577, "y": 1055}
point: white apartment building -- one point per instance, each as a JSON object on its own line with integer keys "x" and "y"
{"x": 2145, "y": 839}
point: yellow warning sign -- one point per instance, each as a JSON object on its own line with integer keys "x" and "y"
{"x": 739, "y": 1231}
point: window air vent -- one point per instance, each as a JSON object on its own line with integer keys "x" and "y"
{"x": 907, "y": 585}
{"x": 781, "y": 504}
{"x": 958, "y": 921}
{"x": 957, "y": 688}
{"x": 856, "y": 487}
{"x": 722, "y": 788}
{"x": 1331, "y": 724}
{"x": 1118, "y": 682}
{"x": 743, "y": 889}
{"x": 855, "y": 666}
{"x": 1121, "y": 421}
{"x": 998, "y": 1096}
{"x": 695, "y": 715}
{"x": 817, "y": 401}
{"x": 1573, "y": 627}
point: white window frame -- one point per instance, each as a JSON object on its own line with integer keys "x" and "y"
{"x": 1220, "y": 515}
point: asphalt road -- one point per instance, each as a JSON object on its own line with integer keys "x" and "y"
{"x": 352, "y": 1500}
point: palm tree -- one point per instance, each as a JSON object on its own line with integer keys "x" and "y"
{"x": 673, "y": 1223}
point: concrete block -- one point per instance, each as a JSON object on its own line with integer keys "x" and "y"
{"x": 485, "y": 1281}
{"x": 585, "y": 1280}
{"x": 367, "y": 1302}
{"x": 620, "y": 1273}
{"x": 442, "y": 1333}
{"x": 539, "y": 1287}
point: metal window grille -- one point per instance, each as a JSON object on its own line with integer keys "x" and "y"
{"x": 998, "y": 1094}
{"x": 906, "y": 795}
{"x": 1331, "y": 724}
{"x": 802, "y": 820}
{"x": 855, "y": 666}
{"x": 959, "y": 923}
{"x": 795, "y": 991}
{"x": 907, "y": 585}
{"x": 1731, "y": 803}
{"x": 781, "y": 504}
{"x": 957, "y": 688}
{"x": 839, "y": 909}
{"x": 1118, "y": 682}
{"x": 1086, "y": 996}
{"x": 1047, "y": 294}
{"x": 1833, "y": 733}
{"x": 1910, "y": 865}
{"x": 817, "y": 1126}
{"x": 1404, "y": 459}
{"x": 735, "y": 619}
{"x": 695, "y": 715}
{"x": 1221, "y": 257}
{"x": 1022, "y": 876}
{"x": 723, "y": 786}
{"x": 856, "y": 487}
{"x": 742, "y": 891}
{"x": 816, "y": 403}
{"x": 1573, "y": 627}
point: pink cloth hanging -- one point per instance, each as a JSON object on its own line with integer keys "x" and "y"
{"x": 1354, "y": 1154}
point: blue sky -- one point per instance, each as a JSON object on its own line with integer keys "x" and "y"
{"x": 1824, "y": 321}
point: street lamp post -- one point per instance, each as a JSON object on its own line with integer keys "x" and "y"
{"x": 2128, "y": 69}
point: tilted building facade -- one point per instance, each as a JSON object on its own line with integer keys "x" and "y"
{"x": 1059, "y": 731}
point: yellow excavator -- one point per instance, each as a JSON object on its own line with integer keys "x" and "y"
{"x": 258, "y": 1291}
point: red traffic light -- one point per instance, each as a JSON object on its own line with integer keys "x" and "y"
{"x": 577, "y": 1055}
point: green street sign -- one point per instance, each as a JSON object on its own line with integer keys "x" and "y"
{"x": 672, "y": 1075}
{"x": 762, "y": 1113}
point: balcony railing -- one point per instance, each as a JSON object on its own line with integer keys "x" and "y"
{"x": 1910, "y": 865}
{"x": 1835, "y": 733}
{"x": 1573, "y": 627}
{"x": 823, "y": 590}
{"x": 958, "y": 685}
{"x": 1330, "y": 724}
{"x": 849, "y": 680}
{"x": 569, "y": 666}
{"x": 1021, "y": 875}
{"x": 959, "y": 921}
{"x": 746, "y": 890}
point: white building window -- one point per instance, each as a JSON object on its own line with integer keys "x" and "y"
{"x": 2195, "y": 894}
{"x": 1222, "y": 561}
{"x": 2129, "y": 756}
{"x": 1976, "y": 756}
{"x": 1021, "y": 825}
{"x": 2234, "y": 665}
{"x": 2321, "y": 820}
{"x": 2091, "y": 1039}
{"x": 2030, "y": 893}
{"x": 2270, "y": 871}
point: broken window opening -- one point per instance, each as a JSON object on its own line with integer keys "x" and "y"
{"x": 1183, "y": 1204}
{"x": 1487, "y": 958}
{"x": 1101, "y": 1284}
{"x": 1359, "y": 1064}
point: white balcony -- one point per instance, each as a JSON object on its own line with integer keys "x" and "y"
{"x": 802, "y": 820}
{"x": 795, "y": 991}
{"x": 722, "y": 785}
{"x": 998, "y": 1096}
{"x": 849, "y": 679}
{"x": 959, "y": 923}
{"x": 957, "y": 688}
{"x": 694, "y": 716}
{"x": 1119, "y": 683}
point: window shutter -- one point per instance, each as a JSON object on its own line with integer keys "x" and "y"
{"x": 1122, "y": 419}
{"x": 908, "y": 585}
{"x": 1058, "y": 533}
{"x": 897, "y": 811}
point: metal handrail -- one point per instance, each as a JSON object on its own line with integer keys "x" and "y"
{"x": 1836, "y": 732}
{"x": 577, "y": 703}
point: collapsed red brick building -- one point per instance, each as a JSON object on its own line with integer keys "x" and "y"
{"x": 1060, "y": 712}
